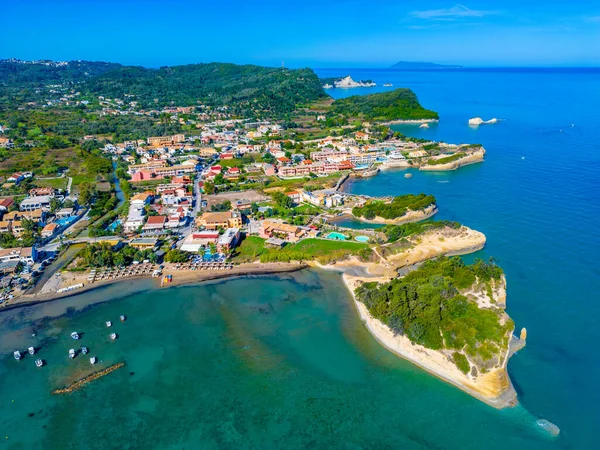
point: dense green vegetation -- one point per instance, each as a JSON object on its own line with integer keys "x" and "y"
{"x": 447, "y": 159}
{"x": 400, "y": 104}
{"x": 396, "y": 232}
{"x": 105, "y": 255}
{"x": 246, "y": 90}
{"x": 427, "y": 307}
{"x": 395, "y": 209}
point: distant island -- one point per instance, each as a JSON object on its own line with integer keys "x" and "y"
{"x": 422, "y": 65}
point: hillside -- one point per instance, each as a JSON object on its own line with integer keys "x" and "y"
{"x": 399, "y": 104}
{"x": 247, "y": 90}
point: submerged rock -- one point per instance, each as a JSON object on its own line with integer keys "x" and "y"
{"x": 548, "y": 426}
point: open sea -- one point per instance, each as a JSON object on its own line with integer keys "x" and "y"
{"x": 283, "y": 362}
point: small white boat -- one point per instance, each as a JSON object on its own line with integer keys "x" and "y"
{"x": 75, "y": 335}
{"x": 31, "y": 350}
{"x": 72, "y": 353}
{"x": 39, "y": 363}
{"x": 123, "y": 318}
{"x": 93, "y": 360}
{"x": 84, "y": 350}
{"x": 108, "y": 323}
{"x": 113, "y": 336}
{"x": 17, "y": 355}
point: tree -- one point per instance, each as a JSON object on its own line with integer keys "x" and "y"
{"x": 177, "y": 256}
{"x": 54, "y": 204}
{"x": 86, "y": 193}
{"x": 283, "y": 200}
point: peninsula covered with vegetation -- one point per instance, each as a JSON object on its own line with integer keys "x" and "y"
{"x": 397, "y": 208}
{"x": 399, "y": 104}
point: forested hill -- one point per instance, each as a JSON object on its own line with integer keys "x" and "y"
{"x": 38, "y": 74}
{"x": 248, "y": 90}
{"x": 263, "y": 88}
{"x": 399, "y": 104}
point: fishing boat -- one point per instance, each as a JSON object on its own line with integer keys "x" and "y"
{"x": 75, "y": 335}
{"x": 93, "y": 360}
{"x": 72, "y": 353}
{"x": 108, "y": 323}
{"x": 31, "y": 350}
{"x": 84, "y": 350}
{"x": 17, "y": 355}
{"x": 123, "y": 318}
{"x": 113, "y": 336}
{"x": 39, "y": 363}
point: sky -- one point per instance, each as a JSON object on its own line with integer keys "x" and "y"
{"x": 308, "y": 33}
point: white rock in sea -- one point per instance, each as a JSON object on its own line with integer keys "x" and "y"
{"x": 424, "y": 125}
{"x": 348, "y": 82}
{"x": 478, "y": 121}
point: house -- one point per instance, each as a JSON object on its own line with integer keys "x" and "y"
{"x": 214, "y": 220}
{"x": 233, "y": 173}
{"x": 17, "y": 228}
{"x": 290, "y": 233}
{"x": 158, "y": 141}
{"x": 143, "y": 243}
{"x": 65, "y": 212}
{"x": 295, "y": 196}
{"x": 226, "y": 156}
{"x": 25, "y": 255}
{"x": 155, "y": 224}
{"x": 269, "y": 169}
{"x": 144, "y": 175}
{"x": 228, "y": 240}
{"x": 6, "y": 203}
{"x": 16, "y": 178}
{"x": 195, "y": 241}
{"x": 242, "y": 204}
{"x": 141, "y": 200}
{"x": 360, "y": 136}
{"x": 50, "y": 230}
{"x": 38, "y": 202}
{"x": 35, "y": 192}
{"x": 5, "y": 227}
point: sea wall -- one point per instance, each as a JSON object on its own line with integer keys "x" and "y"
{"x": 472, "y": 158}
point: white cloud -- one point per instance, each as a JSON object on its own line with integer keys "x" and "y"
{"x": 458, "y": 11}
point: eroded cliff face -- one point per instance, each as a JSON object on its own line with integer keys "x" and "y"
{"x": 471, "y": 158}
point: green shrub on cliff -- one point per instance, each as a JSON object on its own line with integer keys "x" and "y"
{"x": 427, "y": 307}
{"x": 461, "y": 362}
{"x": 396, "y": 232}
{"x": 395, "y": 209}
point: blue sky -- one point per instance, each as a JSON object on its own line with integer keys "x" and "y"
{"x": 334, "y": 33}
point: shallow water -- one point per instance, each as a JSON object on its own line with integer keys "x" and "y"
{"x": 285, "y": 363}
{"x": 270, "y": 362}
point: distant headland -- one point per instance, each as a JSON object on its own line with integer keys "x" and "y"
{"x": 422, "y": 65}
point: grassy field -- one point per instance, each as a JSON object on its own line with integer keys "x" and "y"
{"x": 253, "y": 248}
{"x": 56, "y": 183}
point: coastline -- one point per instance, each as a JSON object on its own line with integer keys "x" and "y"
{"x": 494, "y": 388}
{"x": 409, "y": 121}
{"x": 180, "y": 277}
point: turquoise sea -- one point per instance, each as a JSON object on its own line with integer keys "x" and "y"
{"x": 284, "y": 362}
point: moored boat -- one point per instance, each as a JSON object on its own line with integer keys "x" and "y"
{"x": 17, "y": 355}
{"x": 113, "y": 336}
{"x": 75, "y": 335}
{"x": 108, "y": 323}
{"x": 93, "y": 360}
{"x": 72, "y": 353}
{"x": 84, "y": 350}
{"x": 31, "y": 350}
{"x": 39, "y": 363}
{"x": 123, "y": 318}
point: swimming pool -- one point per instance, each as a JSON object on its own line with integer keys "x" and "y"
{"x": 113, "y": 226}
{"x": 65, "y": 221}
{"x": 361, "y": 238}
{"x": 336, "y": 236}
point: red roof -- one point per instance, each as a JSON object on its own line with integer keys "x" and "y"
{"x": 156, "y": 220}
{"x": 234, "y": 170}
{"x": 6, "y": 202}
